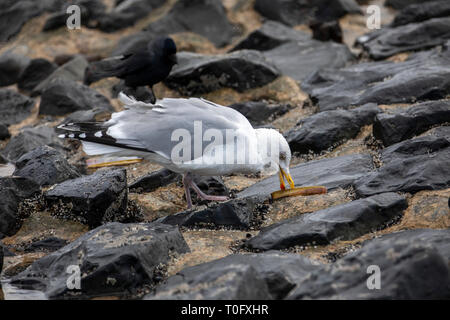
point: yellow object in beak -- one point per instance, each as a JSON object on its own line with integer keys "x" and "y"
{"x": 113, "y": 163}
{"x": 288, "y": 178}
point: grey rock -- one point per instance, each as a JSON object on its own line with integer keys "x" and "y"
{"x": 258, "y": 112}
{"x": 423, "y": 76}
{"x": 4, "y": 132}
{"x": 45, "y": 166}
{"x": 239, "y": 70}
{"x": 405, "y": 124}
{"x": 64, "y": 96}
{"x": 271, "y": 35}
{"x": 72, "y": 70}
{"x": 413, "y": 265}
{"x": 300, "y": 59}
{"x": 12, "y": 65}
{"x": 292, "y": 12}
{"x": 36, "y": 72}
{"x": 421, "y": 12}
{"x": 280, "y": 271}
{"x": 29, "y": 139}
{"x": 193, "y": 16}
{"x": 339, "y": 172}
{"x": 234, "y": 213}
{"x": 13, "y": 190}
{"x": 114, "y": 259}
{"x": 343, "y": 222}
{"x": 14, "y": 15}
{"x": 410, "y": 37}
{"x": 400, "y": 4}
{"x": 329, "y": 128}
{"x": 14, "y": 107}
{"x": 425, "y": 168}
{"x": 94, "y": 199}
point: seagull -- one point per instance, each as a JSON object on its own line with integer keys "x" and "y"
{"x": 144, "y": 67}
{"x": 188, "y": 136}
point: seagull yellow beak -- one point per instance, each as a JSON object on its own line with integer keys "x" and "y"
{"x": 285, "y": 175}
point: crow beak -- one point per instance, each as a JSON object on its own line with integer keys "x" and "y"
{"x": 173, "y": 58}
{"x": 285, "y": 175}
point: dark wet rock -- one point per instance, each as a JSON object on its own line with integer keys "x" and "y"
{"x": 339, "y": 172}
{"x": 4, "y": 132}
{"x": 280, "y": 271}
{"x": 211, "y": 185}
{"x": 326, "y": 31}
{"x": 293, "y": 12}
{"x": 114, "y": 259}
{"x": 400, "y": 4}
{"x": 421, "y": 12}
{"x": 12, "y": 65}
{"x": 329, "y": 128}
{"x": 395, "y": 127}
{"x": 424, "y": 76}
{"x": 15, "y": 15}
{"x": 269, "y": 36}
{"x": 29, "y": 139}
{"x": 1, "y": 257}
{"x": 343, "y": 222}
{"x": 14, "y": 107}
{"x": 90, "y": 11}
{"x": 239, "y": 70}
{"x": 12, "y": 191}
{"x": 298, "y": 59}
{"x": 45, "y": 166}
{"x": 425, "y": 168}
{"x": 259, "y": 112}
{"x": 414, "y": 264}
{"x": 36, "y": 72}
{"x": 63, "y": 96}
{"x": 48, "y": 244}
{"x": 235, "y": 213}
{"x": 193, "y": 16}
{"x": 154, "y": 180}
{"x": 72, "y": 70}
{"x": 126, "y": 14}
{"x": 414, "y": 36}
{"x": 93, "y": 200}
{"x": 428, "y": 144}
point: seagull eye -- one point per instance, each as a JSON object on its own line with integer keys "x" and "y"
{"x": 282, "y": 156}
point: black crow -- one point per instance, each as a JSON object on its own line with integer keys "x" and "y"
{"x": 145, "y": 67}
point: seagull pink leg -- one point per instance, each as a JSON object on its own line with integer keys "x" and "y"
{"x": 188, "y": 182}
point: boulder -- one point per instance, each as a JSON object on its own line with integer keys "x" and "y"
{"x": 14, "y": 107}
{"x": 13, "y": 190}
{"x": 423, "y": 76}
{"x": 299, "y": 59}
{"x": 29, "y": 139}
{"x": 274, "y": 272}
{"x": 411, "y": 37}
{"x": 343, "y": 222}
{"x": 4, "y": 132}
{"x": 12, "y": 66}
{"x": 424, "y": 168}
{"x": 271, "y": 35}
{"x": 326, "y": 31}
{"x": 36, "y": 72}
{"x": 394, "y": 127}
{"x": 14, "y": 15}
{"x": 234, "y": 213}
{"x": 113, "y": 259}
{"x": 126, "y": 14}
{"x": 293, "y": 12}
{"x": 64, "y": 96}
{"x": 339, "y": 172}
{"x": 45, "y": 166}
{"x": 154, "y": 180}
{"x": 324, "y": 130}
{"x": 93, "y": 200}
{"x": 259, "y": 113}
{"x": 193, "y": 16}
{"x": 401, "y": 4}
{"x": 72, "y": 70}
{"x": 239, "y": 70}
{"x": 414, "y": 264}
{"x": 421, "y": 12}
